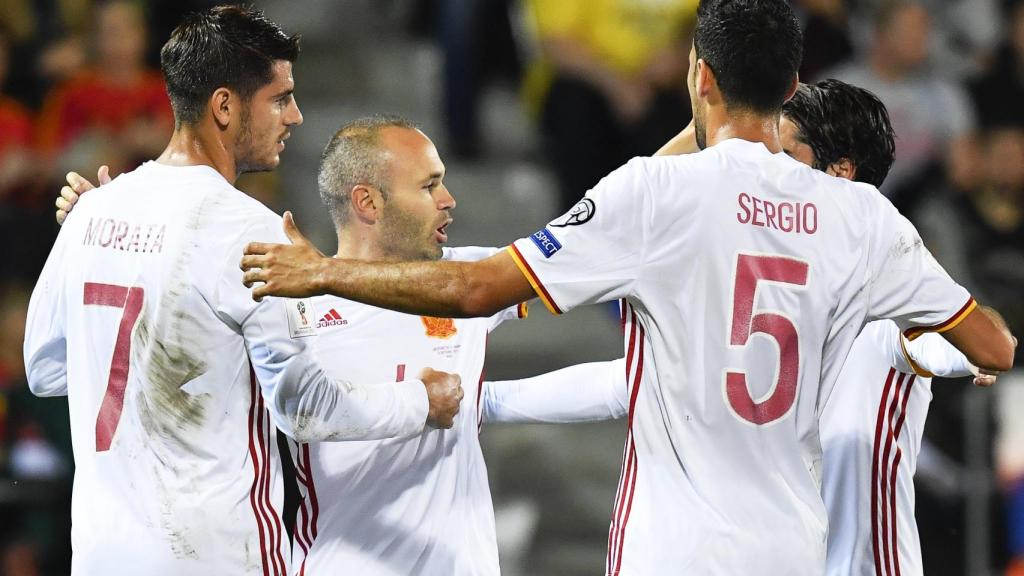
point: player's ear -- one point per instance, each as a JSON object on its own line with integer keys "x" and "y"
{"x": 792, "y": 87}
{"x": 706, "y": 84}
{"x": 844, "y": 168}
{"x": 223, "y": 105}
{"x": 367, "y": 202}
{"x": 704, "y": 78}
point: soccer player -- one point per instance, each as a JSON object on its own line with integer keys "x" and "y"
{"x": 172, "y": 373}
{"x": 414, "y": 505}
{"x": 383, "y": 182}
{"x": 873, "y": 423}
{"x": 869, "y": 450}
{"x": 747, "y": 276}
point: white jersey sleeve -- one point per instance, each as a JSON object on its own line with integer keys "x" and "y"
{"x": 45, "y": 345}
{"x": 603, "y": 236}
{"x": 581, "y": 393}
{"x": 304, "y": 402}
{"x": 931, "y": 355}
{"x": 907, "y": 285}
{"x": 928, "y": 356}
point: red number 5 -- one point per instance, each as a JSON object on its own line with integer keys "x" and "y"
{"x": 750, "y": 270}
{"x": 130, "y": 300}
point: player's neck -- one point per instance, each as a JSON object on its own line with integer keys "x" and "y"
{"x": 747, "y": 126}
{"x": 356, "y": 243}
{"x": 194, "y": 146}
{"x": 359, "y": 243}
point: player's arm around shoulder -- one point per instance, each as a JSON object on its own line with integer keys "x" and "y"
{"x": 907, "y": 285}
{"x": 305, "y": 402}
{"x": 927, "y": 356}
{"x": 985, "y": 340}
{"x": 447, "y": 289}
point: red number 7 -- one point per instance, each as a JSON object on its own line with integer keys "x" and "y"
{"x": 130, "y": 300}
{"x": 750, "y": 270}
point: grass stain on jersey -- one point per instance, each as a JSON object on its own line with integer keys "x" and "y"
{"x": 171, "y": 353}
{"x": 168, "y": 364}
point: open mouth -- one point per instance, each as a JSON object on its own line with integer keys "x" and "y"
{"x": 441, "y": 232}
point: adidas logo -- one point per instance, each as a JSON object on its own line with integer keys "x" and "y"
{"x": 332, "y": 318}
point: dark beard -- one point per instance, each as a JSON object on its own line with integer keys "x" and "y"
{"x": 245, "y": 161}
{"x": 700, "y": 130}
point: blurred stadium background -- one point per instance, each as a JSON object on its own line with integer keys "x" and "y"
{"x": 529, "y": 103}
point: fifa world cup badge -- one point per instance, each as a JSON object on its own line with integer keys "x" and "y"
{"x": 298, "y": 312}
{"x": 439, "y": 327}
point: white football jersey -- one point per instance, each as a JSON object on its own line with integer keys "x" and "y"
{"x": 413, "y": 505}
{"x": 747, "y": 275}
{"x": 141, "y": 319}
{"x": 871, "y": 431}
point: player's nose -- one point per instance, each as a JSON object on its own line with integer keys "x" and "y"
{"x": 294, "y": 117}
{"x": 445, "y": 200}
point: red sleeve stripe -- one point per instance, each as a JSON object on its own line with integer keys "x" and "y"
{"x": 310, "y": 509}
{"x": 952, "y": 322}
{"x": 535, "y": 282}
{"x": 627, "y": 481}
{"x": 270, "y": 542}
{"x": 523, "y": 310}
{"x": 267, "y": 432}
{"x": 884, "y": 470}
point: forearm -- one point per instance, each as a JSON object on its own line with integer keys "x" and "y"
{"x": 430, "y": 288}
{"x": 984, "y": 339}
{"x": 309, "y": 406}
{"x": 443, "y": 289}
{"x": 582, "y": 393}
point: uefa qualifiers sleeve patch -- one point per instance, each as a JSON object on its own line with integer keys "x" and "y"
{"x": 300, "y": 318}
{"x": 546, "y": 242}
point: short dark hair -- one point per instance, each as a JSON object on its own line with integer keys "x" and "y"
{"x": 754, "y": 47}
{"x": 839, "y": 120}
{"x": 352, "y": 157}
{"x": 226, "y": 46}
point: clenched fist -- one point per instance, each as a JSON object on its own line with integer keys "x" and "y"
{"x": 444, "y": 393}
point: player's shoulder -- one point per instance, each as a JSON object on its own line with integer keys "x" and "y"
{"x": 680, "y": 173}
{"x": 468, "y": 253}
{"x": 714, "y": 162}
{"x": 857, "y": 199}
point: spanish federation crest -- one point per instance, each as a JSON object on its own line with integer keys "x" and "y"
{"x": 439, "y": 327}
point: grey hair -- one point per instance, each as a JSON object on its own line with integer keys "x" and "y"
{"x": 354, "y": 156}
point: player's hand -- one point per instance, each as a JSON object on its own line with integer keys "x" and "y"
{"x": 444, "y": 393}
{"x": 985, "y": 378}
{"x": 282, "y": 269}
{"x": 77, "y": 185}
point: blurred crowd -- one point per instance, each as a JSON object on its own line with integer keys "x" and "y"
{"x": 604, "y": 80}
